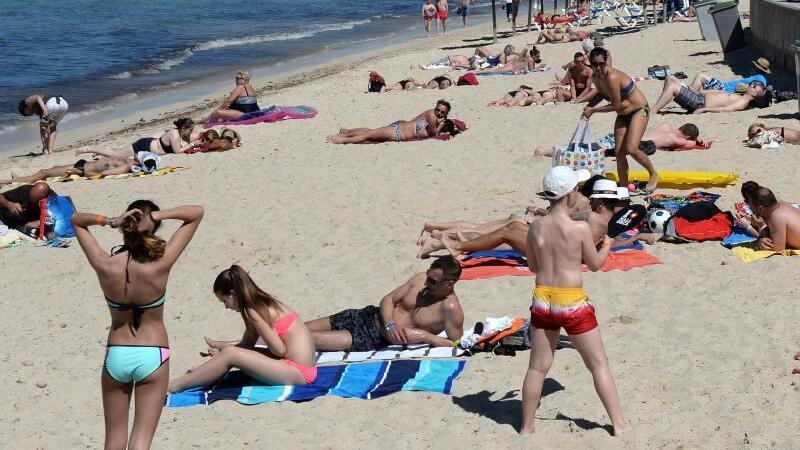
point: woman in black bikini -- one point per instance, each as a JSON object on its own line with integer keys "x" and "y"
{"x": 241, "y": 100}
{"x": 632, "y": 110}
{"x": 176, "y": 140}
{"x": 408, "y": 84}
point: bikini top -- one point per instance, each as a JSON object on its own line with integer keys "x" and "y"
{"x": 245, "y": 99}
{"x": 282, "y": 325}
{"x": 136, "y": 310}
{"x": 626, "y": 91}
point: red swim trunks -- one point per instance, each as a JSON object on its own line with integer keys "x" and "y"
{"x": 441, "y": 15}
{"x": 569, "y": 308}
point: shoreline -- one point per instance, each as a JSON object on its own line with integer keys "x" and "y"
{"x": 159, "y": 107}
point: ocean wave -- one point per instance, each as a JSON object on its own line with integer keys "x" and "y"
{"x": 121, "y": 76}
{"x": 182, "y": 56}
{"x": 8, "y": 128}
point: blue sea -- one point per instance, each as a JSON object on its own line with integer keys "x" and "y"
{"x": 98, "y": 54}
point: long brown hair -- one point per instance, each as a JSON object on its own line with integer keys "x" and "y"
{"x": 142, "y": 246}
{"x": 248, "y": 294}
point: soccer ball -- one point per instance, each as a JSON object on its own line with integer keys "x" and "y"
{"x": 658, "y": 218}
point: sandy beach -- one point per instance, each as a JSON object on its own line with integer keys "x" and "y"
{"x": 701, "y": 346}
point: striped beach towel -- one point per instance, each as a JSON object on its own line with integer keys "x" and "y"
{"x": 391, "y": 352}
{"x": 366, "y": 381}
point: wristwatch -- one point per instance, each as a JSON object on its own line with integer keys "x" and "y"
{"x": 389, "y": 326}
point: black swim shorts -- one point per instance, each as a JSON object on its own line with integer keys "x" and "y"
{"x": 362, "y": 327}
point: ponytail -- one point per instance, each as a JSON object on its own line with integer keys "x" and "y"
{"x": 248, "y": 295}
{"x": 142, "y": 246}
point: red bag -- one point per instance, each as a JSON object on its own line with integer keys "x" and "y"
{"x": 468, "y": 79}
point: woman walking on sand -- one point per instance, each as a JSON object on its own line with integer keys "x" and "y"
{"x": 134, "y": 279}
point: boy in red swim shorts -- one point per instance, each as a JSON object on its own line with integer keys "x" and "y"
{"x": 441, "y": 15}
{"x": 556, "y": 247}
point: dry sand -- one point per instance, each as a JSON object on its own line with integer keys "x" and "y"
{"x": 700, "y": 346}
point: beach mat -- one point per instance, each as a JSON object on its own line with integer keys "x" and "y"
{"x": 391, "y": 352}
{"x": 63, "y": 179}
{"x": 367, "y": 381}
{"x": 682, "y": 180}
{"x": 748, "y": 255}
{"x": 272, "y": 114}
{"x": 511, "y": 263}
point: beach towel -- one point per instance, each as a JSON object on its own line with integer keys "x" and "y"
{"x": 268, "y": 115}
{"x": 737, "y": 237}
{"x": 391, "y": 352}
{"x": 63, "y": 179}
{"x": 365, "y": 381}
{"x": 748, "y": 254}
{"x": 674, "y": 202}
{"x": 681, "y": 180}
{"x": 511, "y": 263}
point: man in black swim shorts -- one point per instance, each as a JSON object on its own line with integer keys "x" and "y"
{"x": 415, "y": 312}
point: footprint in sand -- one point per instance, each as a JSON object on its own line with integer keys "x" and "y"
{"x": 625, "y": 320}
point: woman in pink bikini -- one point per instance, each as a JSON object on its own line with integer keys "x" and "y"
{"x": 289, "y": 358}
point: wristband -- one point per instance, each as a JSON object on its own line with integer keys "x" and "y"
{"x": 100, "y": 220}
{"x": 389, "y": 326}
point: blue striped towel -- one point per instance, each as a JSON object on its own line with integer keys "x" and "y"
{"x": 366, "y": 381}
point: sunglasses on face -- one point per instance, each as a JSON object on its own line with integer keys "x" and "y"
{"x": 430, "y": 282}
{"x": 441, "y": 111}
{"x": 598, "y": 65}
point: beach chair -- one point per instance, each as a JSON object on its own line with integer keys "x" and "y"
{"x": 631, "y": 16}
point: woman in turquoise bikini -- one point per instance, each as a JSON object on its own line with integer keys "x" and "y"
{"x": 133, "y": 279}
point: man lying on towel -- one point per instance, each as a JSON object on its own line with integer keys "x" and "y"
{"x": 710, "y": 101}
{"x": 99, "y": 167}
{"x": 415, "y": 312}
{"x": 775, "y": 223}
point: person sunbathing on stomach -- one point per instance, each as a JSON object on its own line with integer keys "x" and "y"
{"x": 415, "y": 312}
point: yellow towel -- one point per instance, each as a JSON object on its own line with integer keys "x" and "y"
{"x": 63, "y": 179}
{"x": 682, "y": 180}
{"x": 747, "y": 254}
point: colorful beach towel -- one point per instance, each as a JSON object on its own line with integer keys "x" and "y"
{"x": 63, "y": 179}
{"x": 738, "y": 237}
{"x": 748, "y": 254}
{"x": 674, "y": 202}
{"x": 460, "y": 124}
{"x": 391, "y": 352}
{"x": 366, "y": 381}
{"x": 511, "y": 263}
{"x": 274, "y": 113}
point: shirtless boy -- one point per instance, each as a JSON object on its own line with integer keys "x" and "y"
{"x": 415, "y": 312}
{"x": 556, "y": 247}
{"x": 709, "y": 101}
{"x": 100, "y": 167}
{"x": 777, "y": 224}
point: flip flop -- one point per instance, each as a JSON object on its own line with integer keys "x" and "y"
{"x": 638, "y": 192}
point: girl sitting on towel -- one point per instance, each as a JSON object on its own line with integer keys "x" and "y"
{"x": 289, "y": 358}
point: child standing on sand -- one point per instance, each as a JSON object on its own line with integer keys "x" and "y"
{"x": 556, "y": 246}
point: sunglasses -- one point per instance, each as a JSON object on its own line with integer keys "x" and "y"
{"x": 441, "y": 111}
{"x": 432, "y": 283}
{"x": 597, "y": 65}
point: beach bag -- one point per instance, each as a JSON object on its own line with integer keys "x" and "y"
{"x": 581, "y": 152}
{"x": 54, "y": 219}
{"x": 659, "y": 72}
{"x": 468, "y": 79}
{"x": 376, "y": 82}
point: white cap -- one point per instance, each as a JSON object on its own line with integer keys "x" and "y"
{"x": 604, "y": 189}
{"x": 588, "y": 45}
{"x": 561, "y": 180}
{"x": 623, "y": 193}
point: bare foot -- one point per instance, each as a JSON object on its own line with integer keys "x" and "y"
{"x": 796, "y": 370}
{"x": 451, "y": 244}
{"x": 622, "y": 429}
{"x": 526, "y": 431}
{"x": 334, "y": 139}
{"x": 425, "y": 235}
{"x": 652, "y": 184}
{"x": 649, "y": 238}
{"x": 428, "y": 246}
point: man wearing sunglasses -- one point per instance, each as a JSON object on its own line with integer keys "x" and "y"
{"x": 710, "y": 101}
{"x": 413, "y": 313}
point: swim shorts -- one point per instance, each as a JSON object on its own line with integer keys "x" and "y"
{"x": 362, "y": 327}
{"x": 557, "y": 307}
{"x": 689, "y": 99}
{"x": 464, "y": 10}
{"x": 56, "y": 109}
{"x": 81, "y": 166}
{"x": 441, "y": 15}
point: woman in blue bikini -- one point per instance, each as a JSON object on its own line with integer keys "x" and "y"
{"x": 133, "y": 279}
{"x": 633, "y": 114}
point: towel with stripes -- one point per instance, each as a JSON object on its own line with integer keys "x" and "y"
{"x": 367, "y": 381}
